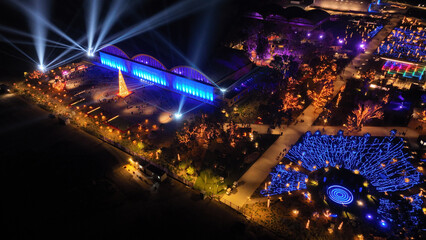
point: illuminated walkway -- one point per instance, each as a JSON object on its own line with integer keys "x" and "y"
{"x": 259, "y": 171}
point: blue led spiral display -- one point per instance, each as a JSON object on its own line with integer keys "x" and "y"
{"x": 339, "y": 194}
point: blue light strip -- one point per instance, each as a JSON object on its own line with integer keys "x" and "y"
{"x": 375, "y": 31}
{"x": 284, "y": 180}
{"x": 113, "y": 62}
{"x": 340, "y": 194}
{"x": 193, "y": 88}
{"x": 399, "y": 44}
{"x": 159, "y": 77}
{"x": 381, "y": 161}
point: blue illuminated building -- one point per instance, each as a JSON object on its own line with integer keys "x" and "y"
{"x": 183, "y": 80}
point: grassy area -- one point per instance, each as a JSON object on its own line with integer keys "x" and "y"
{"x": 209, "y": 183}
{"x": 289, "y": 218}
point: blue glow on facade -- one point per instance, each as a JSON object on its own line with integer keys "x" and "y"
{"x": 198, "y": 88}
{"x": 340, "y": 194}
{"x": 149, "y": 74}
{"x": 113, "y": 62}
{"x": 194, "y": 88}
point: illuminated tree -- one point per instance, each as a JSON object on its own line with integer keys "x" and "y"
{"x": 320, "y": 80}
{"x": 320, "y": 97}
{"x": 183, "y": 136}
{"x": 190, "y": 170}
{"x": 122, "y": 88}
{"x": 291, "y": 102}
{"x": 293, "y": 83}
{"x": 342, "y": 89}
{"x": 362, "y": 114}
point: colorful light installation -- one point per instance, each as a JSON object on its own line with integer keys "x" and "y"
{"x": 340, "y": 194}
{"x": 381, "y": 160}
{"x": 122, "y": 88}
{"x": 284, "y": 179}
{"x": 375, "y": 31}
{"x": 405, "y": 42}
{"x": 404, "y": 69}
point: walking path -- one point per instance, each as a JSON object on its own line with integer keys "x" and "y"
{"x": 259, "y": 171}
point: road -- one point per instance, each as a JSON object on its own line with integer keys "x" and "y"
{"x": 60, "y": 182}
{"x": 259, "y": 171}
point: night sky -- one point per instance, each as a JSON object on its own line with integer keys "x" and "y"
{"x": 69, "y": 16}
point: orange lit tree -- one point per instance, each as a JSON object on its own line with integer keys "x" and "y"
{"x": 421, "y": 116}
{"x": 320, "y": 80}
{"x": 290, "y": 102}
{"x": 320, "y": 96}
{"x": 362, "y": 114}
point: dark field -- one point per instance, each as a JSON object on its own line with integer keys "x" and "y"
{"x": 61, "y": 182}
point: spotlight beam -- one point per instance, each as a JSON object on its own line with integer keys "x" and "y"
{"x": 192, "y": 109}
{"x": 174, "y": 49}
{"x": 38, "y": 29}
{"x": 25, "y": 34}
{"x": 20, "y": 58}
{"x": 67, "y": 51}
{"x": 20, "y": 42}
{"x": 175, "y": 12}
{"x": 17, "y": 48}
{"x": 202, "y": 35}
{"x": 181, "y": 103}
{"x": 114, "y": 12}
{"x": 92, "y": 15}
{"x": 38, "y": 18}
{"x": 64, "y": 61}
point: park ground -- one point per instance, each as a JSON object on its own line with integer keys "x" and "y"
{"x": 61, "y": 182}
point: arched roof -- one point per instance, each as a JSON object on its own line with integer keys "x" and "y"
{"x": 270, "y": 9}
{"x": 191, "y": 73}
{"x": 149, "y": 60}
{"x": 184, "y": 71}
{"x": 115, "y": 51}
{"x": 317, "y": 15}
{"x": 275, "y": 17}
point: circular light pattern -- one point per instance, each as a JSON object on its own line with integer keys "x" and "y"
{"x": 339, "y": 194}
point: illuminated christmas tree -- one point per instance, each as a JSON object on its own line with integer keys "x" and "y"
{"x": 122, "y": 88}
